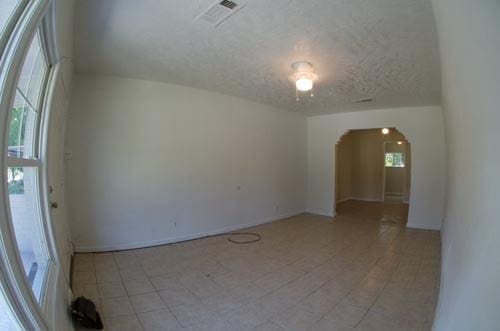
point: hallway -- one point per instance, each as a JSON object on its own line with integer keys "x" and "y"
{"x": 362, "y": 271}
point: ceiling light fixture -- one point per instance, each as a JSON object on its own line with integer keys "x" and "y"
{"x": 400, "y": 143}
{"x": 304, "y": 84}
{"x": 385, "y": 131}
{"x": 303, "y": 77}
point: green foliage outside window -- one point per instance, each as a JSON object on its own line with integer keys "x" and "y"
{"x": 17, "y": 127}
{"x": 15, "y": 141}
{"x": 394, "y": 160}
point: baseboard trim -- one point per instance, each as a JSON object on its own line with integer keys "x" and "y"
{"x": 343, "y": 200}
{"x": 151, "y": 243}
{"x": 423, "y": 226}
{"x": 320, "y": 212}
{"x": 361, "y": 199}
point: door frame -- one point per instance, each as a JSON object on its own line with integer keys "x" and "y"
{"x": 384, "y": 167}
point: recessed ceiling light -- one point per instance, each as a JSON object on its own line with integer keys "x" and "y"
{"x": 385, "y": 131}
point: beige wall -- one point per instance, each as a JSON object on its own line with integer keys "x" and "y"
{"x": 360, "y": 165}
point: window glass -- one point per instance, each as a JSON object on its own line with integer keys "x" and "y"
{"x": 394, "y": 160}
{"x": 7, "y": 7}
{"x": 7, "y": 320}
{"x": 26, "y": 219}
{"x": 22, "y": 174}
{"x": 33, "y": 72}
{"x": 22, "y": 128}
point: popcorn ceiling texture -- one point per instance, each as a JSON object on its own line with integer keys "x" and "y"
{"x": 380, "y": 49}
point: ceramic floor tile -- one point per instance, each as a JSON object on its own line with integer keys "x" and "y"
{"x": 346, "y": 315}
{"x": 107, "y": 276}
{"x": 268, "y": 326}
{"x": 374, "y": 321}
{"x": 245, "y": 318}
{"x": 296, "y": 319}
{"x": 210, "y": 324}
{"x": 318, "y": 302}
{"x": 134, "y": 287}
{"x": 360, "y": 298}
{"x": 133, "y": 273}
{"x": 116, "y": 307}
{"x": 364, "y": 269}
{"x": 158, "y": 320}
{"x": 111, "y": 290}
{"x": 147, "y": 302}
{"x": 84, "y": 277}
{"x": 191, "y": 314}
{"x": 83, "y": 262}
{"x": 123, "y": 323}
{"x": 178, "y": 296}
{"x": 325, "y": 324}
{"x": 164, "y": 282}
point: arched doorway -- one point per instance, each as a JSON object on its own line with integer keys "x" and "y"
{"x": 373, "y": 166}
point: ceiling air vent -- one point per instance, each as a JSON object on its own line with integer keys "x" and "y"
{"x": 363, "y": 100}
{"x": 228, "y": 4}
{"x": 220, "y": 11}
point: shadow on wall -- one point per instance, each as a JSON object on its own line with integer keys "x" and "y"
{"x": 372, "y": 165}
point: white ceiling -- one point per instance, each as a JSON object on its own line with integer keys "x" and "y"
{"x": 380, "y": 49}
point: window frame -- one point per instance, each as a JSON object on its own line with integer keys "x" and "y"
{"x": 9, "y": 27}
{"x": 28, "y": 18}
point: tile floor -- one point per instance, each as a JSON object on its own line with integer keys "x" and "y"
{"x": 361, "y": 271}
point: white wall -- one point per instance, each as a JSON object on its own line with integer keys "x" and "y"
{"x": 469, "y": 37}
{"x": 422, "y": 126}
{"x": 344, "y": 173}
{"x": 154, "y": 162}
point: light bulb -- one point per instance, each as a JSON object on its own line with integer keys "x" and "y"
{"x": 304, "y": 84}
{"x": 385, "y": 131}
{"x": 400, "y": 142}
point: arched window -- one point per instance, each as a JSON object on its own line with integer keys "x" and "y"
{"x": 28, "y": 258}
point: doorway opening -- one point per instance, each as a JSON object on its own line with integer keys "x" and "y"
{"x": 373, "y": 167}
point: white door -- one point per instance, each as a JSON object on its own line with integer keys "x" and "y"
{"x": 56, "y": 175}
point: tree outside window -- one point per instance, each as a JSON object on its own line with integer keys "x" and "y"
{"x": 394, "y": 160}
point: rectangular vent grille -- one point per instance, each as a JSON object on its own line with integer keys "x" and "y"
{"x": 363, "y": 100}
{"x": 228, "y": 4}
{"x": 220, "y": 11}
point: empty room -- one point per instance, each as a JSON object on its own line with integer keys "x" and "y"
{"x": 249, "y": 165}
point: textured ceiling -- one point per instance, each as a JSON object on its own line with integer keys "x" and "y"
{"x": 380, "y": 49}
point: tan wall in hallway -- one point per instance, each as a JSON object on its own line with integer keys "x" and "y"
{"x": 394, "y": 181}
{"x": 360, "y": 172}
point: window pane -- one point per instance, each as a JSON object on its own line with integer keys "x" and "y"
{"x": 388, "y": 159}
{"x": 22, "y": 128}
{"x": 394, "y": 160}
{"x": 26, "y": 219}
{"x": 33, "y": 72}
{"x": 7, "y": 7}
{"x": 398, "y": 160}
{"x": 7, "y": 320}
